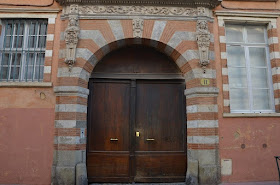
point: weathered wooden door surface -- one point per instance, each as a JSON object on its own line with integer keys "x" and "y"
{"x": 160, "y": 148}
{"x": 136, "y": 118}
{"x": 108, "y": 139}
{"x": 136, "y": 131}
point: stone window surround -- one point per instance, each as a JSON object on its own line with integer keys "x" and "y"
{"x": 48, "y": 53}
{"x": 261, "y": 18}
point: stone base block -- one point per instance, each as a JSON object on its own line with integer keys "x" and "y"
{"x": 64, "y": 176}
{"x": 192, "y": 173}
{"x": 81, "y": 174}
{"x": 209, "y": 175}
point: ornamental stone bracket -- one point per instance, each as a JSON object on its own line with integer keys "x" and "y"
{"x": 72, "y": 36}
{"x": 203, "y": 42}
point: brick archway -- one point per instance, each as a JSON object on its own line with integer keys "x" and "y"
{"x": 176, "y": 39}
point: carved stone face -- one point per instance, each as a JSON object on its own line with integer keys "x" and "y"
{"x": 73, "y": 21}
{"x": 202, "y": 25}
{"x": 71, "y": 36}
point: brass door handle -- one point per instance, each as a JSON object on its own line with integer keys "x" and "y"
{"x": 150, "y": 139}
{"x": 112, "y": 139}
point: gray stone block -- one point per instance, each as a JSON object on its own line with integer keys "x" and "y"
{"x": 81, "y": 124}
{"x": 192, "y": 172}
{"x": 209, "y": 175}
{"x": 54, "y": 157}
{"x": 68, "y": 158}
{"x": 65, "y": 176}
{"x": 192, "y": 155}
{"x": 53, "y": 175}
{"x": 208, "y": 157}
{"x": 81, "y": 174}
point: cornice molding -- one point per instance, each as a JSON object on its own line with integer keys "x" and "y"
{"x": 29, "y": 10}
{"x": 248, "y": 14}
{"x": 186, "y": 3}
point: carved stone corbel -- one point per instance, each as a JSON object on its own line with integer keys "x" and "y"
{"x": 203, "y": 42}
{"x": 72, "y": 36}
{"x": 137, "y": 27}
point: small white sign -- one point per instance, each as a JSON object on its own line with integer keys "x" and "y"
{"x": 226, "y": 165}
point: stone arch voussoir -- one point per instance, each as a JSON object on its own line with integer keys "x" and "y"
{"x": 93, "y": 57}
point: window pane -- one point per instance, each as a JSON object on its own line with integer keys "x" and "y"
{"x": 234, "y": 33}
{"x": 41, "y": 72}
{"x": 255, "y": 34}
{"x": 32, "y": 28}
{"x": 259, "y": 78}
{"x": 32, "y": 42}
{"x": 14, "y": 73}
{"x": 261, "y": 99}
{"x": 43, "y": 29}
{"x": 29, "y": 58}
{"x": 4, "y": 73}
{"x": 239, "y": 99}
{"x": 9, "y": 29}
{"x": 236, "y": 56}
{"x": 18, "y": 41}
{"x": 237, "y": 77}
{"x": 29, "y": 65}
{"x": 41, "y": 59}
{"x": 8, "y": 42}
{"x": 18, "y": 28}
{"x": 42, "y": 42}
{"x": 257, "y": 56}
{"x": 16, "y": 59}
{"x": 36, "y": 72}
{"x": 29, "y": 73}
{"x": 5, "y": 59}
{"x": 21, "y": 30}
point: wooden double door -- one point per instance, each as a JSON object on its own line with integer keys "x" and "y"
{"x": 136, "y": 131}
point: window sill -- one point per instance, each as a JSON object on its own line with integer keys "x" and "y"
{"x": 25, "y": 84}
{"x": 250, "y": 115}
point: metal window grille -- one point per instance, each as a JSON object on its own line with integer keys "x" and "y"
{"x": 22, "y": 49}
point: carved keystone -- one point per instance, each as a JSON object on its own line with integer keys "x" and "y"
{"x": 137, "y": 27}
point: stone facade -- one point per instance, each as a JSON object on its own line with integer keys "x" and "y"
{"x": 182, "y": 40}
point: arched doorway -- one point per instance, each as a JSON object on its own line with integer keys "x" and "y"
{"x": 136, "y": 118}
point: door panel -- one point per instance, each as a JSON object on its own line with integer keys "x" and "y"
{"x": 159, "y": 116}
{"x": 160, "y": 168}
{"x": 108, "y": 166}
{"x": 110, "y": 117}
{"x": 160, "y": 149}
{"x": 108, "y": 138}
{"x": 120, "y": 108}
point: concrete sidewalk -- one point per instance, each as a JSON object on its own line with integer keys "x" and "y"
{"x": 254, "y": 183}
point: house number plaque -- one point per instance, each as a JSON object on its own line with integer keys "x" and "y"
{"x": 205, "y": 81}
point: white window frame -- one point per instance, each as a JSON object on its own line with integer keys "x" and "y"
{"x": 24, "y": 50}
{"x": 246, "y": 47}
